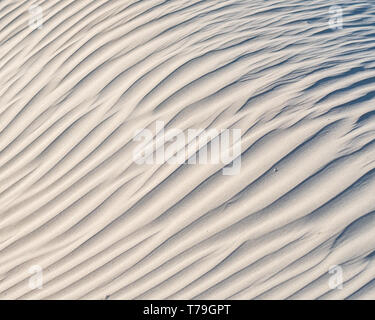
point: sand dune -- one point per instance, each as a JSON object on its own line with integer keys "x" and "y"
{"x": 79, "y": 78}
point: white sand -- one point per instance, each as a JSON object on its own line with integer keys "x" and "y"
{"x": 73, "y": 202}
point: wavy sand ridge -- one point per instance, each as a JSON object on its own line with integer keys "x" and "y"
{"x": 73, "y": 201}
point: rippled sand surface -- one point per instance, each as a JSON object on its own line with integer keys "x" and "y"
{"x": 99, "y": 226}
